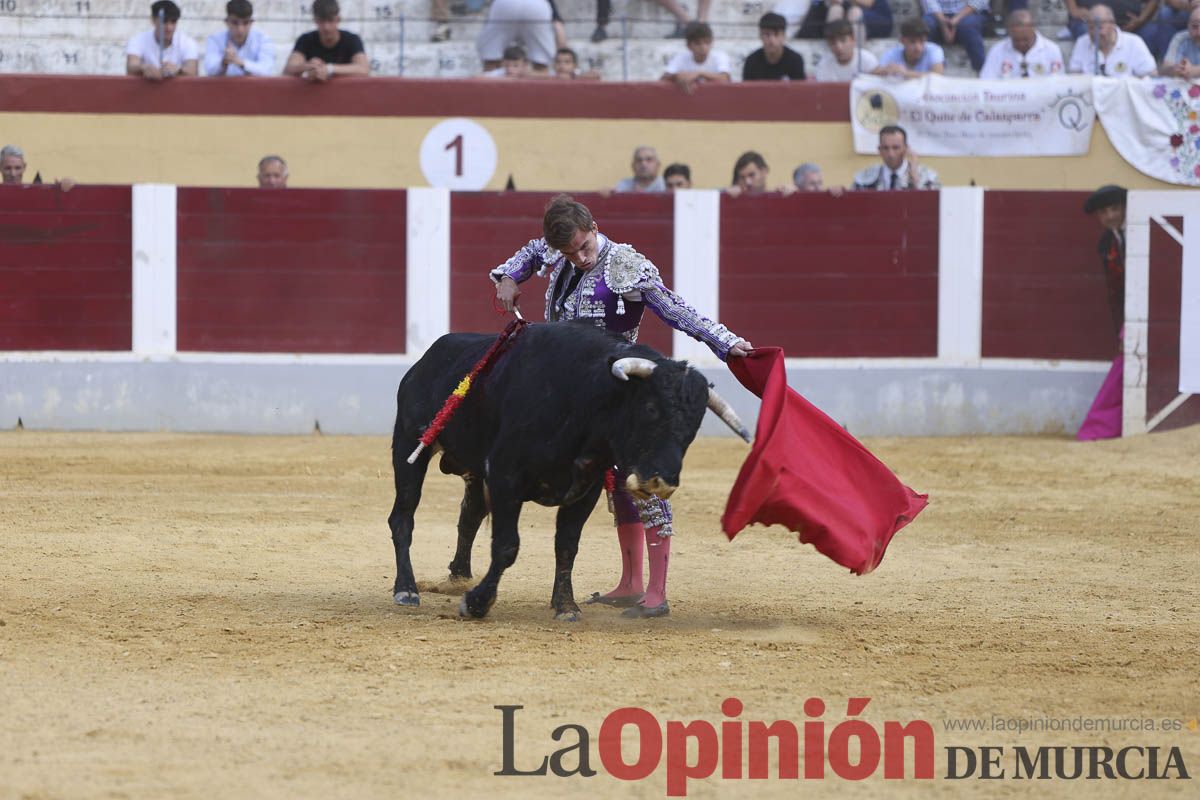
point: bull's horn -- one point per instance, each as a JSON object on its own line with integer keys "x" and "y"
{"x": 725, "y": 411}
{"x": 637, "y": 367}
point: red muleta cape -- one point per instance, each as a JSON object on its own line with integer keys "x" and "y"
{"x": 807, "y": 473}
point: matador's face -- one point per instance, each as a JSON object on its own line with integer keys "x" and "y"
{"x": 583, "y": 249}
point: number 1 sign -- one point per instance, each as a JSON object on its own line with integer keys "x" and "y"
{"x": 458, "y": 153}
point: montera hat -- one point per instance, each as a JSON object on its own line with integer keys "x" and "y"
{"x": 1107, "y": 195}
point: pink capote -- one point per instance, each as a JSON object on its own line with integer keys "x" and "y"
{"x": 807, "y": 473}
{"x": 1104, "y": 419}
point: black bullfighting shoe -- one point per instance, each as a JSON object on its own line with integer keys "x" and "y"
{"x": 643, "y": 612}
{"x": 622, "y": 601}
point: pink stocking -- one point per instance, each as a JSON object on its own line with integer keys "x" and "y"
{"x": 659, "y": 548}
{"x": 630, "y": 535}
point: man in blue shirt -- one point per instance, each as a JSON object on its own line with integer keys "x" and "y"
{"x": 240, "y": 50}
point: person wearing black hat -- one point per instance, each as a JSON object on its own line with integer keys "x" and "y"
{"x": 1107, "y": 205}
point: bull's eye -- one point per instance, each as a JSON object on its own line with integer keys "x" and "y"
{"x": 652, "y": 413}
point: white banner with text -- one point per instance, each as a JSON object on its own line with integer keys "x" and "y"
{"x": 969, "y": 117}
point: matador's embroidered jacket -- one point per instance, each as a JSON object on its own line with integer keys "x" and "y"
{"x": 613, "y": 294}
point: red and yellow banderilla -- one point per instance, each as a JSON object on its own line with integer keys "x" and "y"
{"x": 464, "y": 386}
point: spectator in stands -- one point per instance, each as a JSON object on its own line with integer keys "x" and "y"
{"x": 645, "y": 173}
{"x": 12, "y": 165}
{"x": 750, "y": 173}
{"x": 160, "y": 52}
{"x": 12, "y": 168}
{"x": 1107, "y": 205}
{"x": 875, "y": 16}
{"x": 604, "y": 13}
{"x": 439, "y": 12}
{"x": 272, "y": 172}
{"x": 328, "y": 51}
{"x": 774, "y": 61}
{"x": 1173, "y": 15}
{"x": 958, "y": 22}
{"x": 915, "y": 55}
{"x": 900, "y": 168}
{"x": 1133, "y": 16}
{"x": 1183, "y": 56}
{"x": 1120, "y": 54}
{"x": 843, "y": 58}
{"x": 514, "y": 64}
{"x": 241, "y": 49}
{"x": 1024, "y": 54}
{"x": 700, "y": 64}
{"x": 566, "y": 67}
{"x": 526, "y": 22}
{"x": 808, "y": 178}
{"x": 677, "y": 176}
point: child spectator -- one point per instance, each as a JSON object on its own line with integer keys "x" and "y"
{"x": 774, "y": 61}
{"x": 700, "y": 64}
{"x": 915, "y": 55}
{"x": 677, "y": 176}
{"x": 566, "y": 67}
{"x": 843, "y": 59}
{"x": 514, "y": 64}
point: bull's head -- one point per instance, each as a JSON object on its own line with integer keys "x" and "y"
{"x": 660, "y": 411}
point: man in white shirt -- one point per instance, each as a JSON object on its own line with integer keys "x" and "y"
{"x": 240, "y": 50}
{"x": 1024, "y": 54}
{"x": 161, "y": 52}
{"x": 843, "y": 59}
{"x": 700, "y": 64}
{"x": 1120, "y": 55}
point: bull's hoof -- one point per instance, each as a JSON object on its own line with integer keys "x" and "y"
{"x": 567, "y": 616}
{"x": 472, "y": 607}
{"x": 460, "y": 571}
{"x": 407, "y": 598}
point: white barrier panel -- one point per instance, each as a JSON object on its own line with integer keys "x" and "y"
{"x": 154, "y": 269}
{"x": 1189, "y": 308}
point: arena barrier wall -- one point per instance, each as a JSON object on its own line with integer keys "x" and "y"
{"x": 545, "y": 135}
{"x": 283, "y": 311}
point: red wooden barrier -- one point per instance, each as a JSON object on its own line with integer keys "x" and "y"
{"x": 1043, "y": 286}
{"x": 65, "y": 276}
{"x": 296, "y": 270}
{"x": 823, "y": 276}
{"x": 486, "y": 228}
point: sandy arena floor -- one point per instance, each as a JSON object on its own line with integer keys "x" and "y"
{"x": 205, "y": 616}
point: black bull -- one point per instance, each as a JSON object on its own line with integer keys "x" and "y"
{"x": 542, "y": 425}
